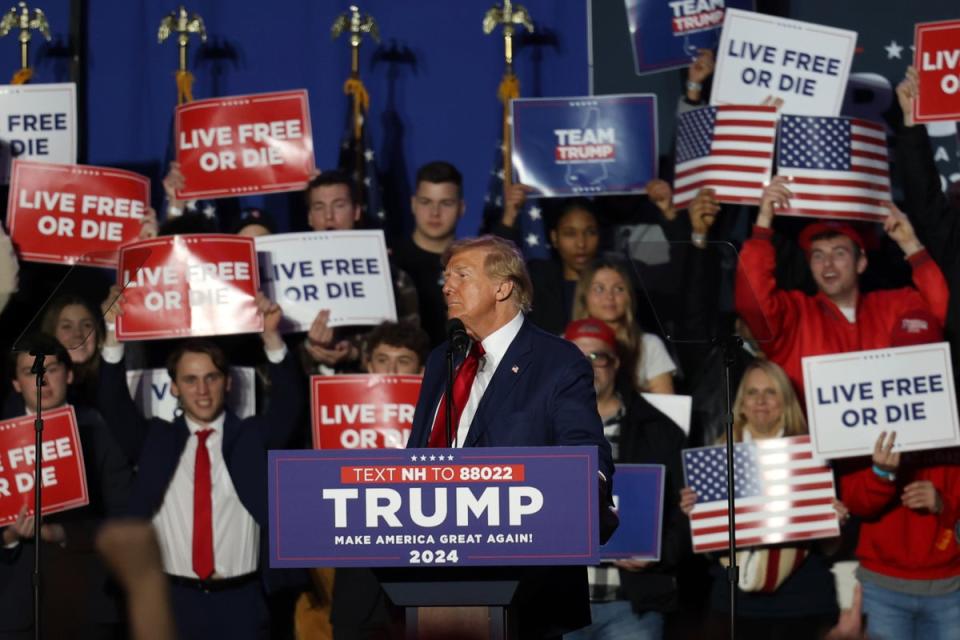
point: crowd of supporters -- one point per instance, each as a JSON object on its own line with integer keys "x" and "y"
{"x": 652, "y": 317}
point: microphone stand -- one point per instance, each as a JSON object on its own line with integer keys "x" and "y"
{"x": 730, "y": 347}
{"x": 38, "y": 369}
{"x": 448, "y": 406}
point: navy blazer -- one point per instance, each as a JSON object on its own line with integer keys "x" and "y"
{"x": 158, "y": 444}
{"x": 541, "y": 394}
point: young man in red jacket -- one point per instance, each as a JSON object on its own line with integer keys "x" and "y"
{"x": 791, "y": 324}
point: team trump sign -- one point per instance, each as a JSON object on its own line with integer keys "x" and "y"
{"x": 190, "y": 285}
{"x": 244, "y": 145}
{"x": 414, "y": 507}
{"x": 73, "y": 213}
{"x": 62, "y": 474}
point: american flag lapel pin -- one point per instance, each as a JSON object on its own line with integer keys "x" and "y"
{"x": 515, "y": 369}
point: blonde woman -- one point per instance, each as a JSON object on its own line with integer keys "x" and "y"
{"x": 784, "y": 591}
{"x": 604, "y": 291}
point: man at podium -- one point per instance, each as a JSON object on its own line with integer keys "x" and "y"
{"x": 516, "y": 386}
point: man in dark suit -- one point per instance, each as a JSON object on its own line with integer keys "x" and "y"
{"x": 517, "y": 386}
{"x": 79, "y": 601}
{"x": 202, "y": 480}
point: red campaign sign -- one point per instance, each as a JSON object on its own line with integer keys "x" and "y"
{"x": 190, "y": 285}
{"x": 75, "y": 214}
{"x": 362, "y": 411}
{"x": 62, "y": 476}
{"x": 241, "y": 145}
{"x": 937, "y": 60}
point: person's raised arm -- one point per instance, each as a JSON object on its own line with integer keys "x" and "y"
{"x": 763, "y": 306}
{"x": 286, "y": 384}
{"x": 927, "y": 276}
{"x": 924, "y": 200}
{"x": 868, "y": 492}
{"x": 114, "y": 402}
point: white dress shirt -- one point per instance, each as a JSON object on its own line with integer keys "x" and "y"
{"x": 236, "y": 535}
{"x": 495, "y": 345}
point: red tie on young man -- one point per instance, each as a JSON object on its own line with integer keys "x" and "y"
{"x": 462, "y": 383}
{"x": 202, "y": 509}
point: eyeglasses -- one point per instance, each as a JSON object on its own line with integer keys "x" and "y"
{"x": 600, "y": 359}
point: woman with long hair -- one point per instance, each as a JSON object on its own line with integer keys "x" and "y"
{"x": 78, "y": 326}
{"x": 783, "y": 591}
{"x": 605, "y": 292}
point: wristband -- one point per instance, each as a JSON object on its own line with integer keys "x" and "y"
{"x": 885, "y": 475}
{"x": 694, "y": 86}
{"x": 699, "y": 240}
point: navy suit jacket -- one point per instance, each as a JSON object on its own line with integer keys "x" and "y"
{"x": 157, "y": 445}
{"x": 541, "y": 394}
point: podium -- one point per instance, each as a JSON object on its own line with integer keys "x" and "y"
{"x": 466, "y": 604}
{"x": 453, "y": 535}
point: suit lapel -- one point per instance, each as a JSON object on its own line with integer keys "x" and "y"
{"x": 511, "y": 369}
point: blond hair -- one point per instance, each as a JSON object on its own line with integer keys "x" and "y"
{"x": 794, "y": 424}
{"x": 503, "y": 261}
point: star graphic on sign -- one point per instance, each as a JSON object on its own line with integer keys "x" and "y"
{"x": 893, "y": 50}
{"x": 500, "y": 174}
{"x": 382, "y": 215}
{"x": 534, "y": 213}
{"x": 450, "y": 457}
{"x": 366, "y": 183}
{"x": 433, "y": 458}
{"x": 209, "y": 210}
{"x": 412, "y": 459}
{"x": 532, "y": 240}
{"x": 191, "y": 206}
{"x": 368, "y": 154}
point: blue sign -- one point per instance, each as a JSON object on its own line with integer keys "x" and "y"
{"x": 585, "y": 146}
{"x": 667, "y": 34}
{"x": 638, "y": 496}
{"x": 436, "y": 507}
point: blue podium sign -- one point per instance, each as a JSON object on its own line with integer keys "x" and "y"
{"x": 585, "y": 146}
{"x": 638, "y": 496}
{"x": 435, "y": 507}
{"x": 667, "y": 34}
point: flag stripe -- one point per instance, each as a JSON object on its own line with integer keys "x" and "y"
{"x": 771, "y": 539}
{"x": 807, "y": 212}
{"x": 764, "y": 523}
{"x": 796, "y": 504}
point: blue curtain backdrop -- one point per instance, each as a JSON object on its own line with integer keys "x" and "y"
{"x": 432, "y": 80}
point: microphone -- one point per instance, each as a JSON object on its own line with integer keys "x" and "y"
{"x": 457, "y": 335}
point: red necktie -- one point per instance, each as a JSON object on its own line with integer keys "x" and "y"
{"x": 461, "y": 393}
{"x": 202, "y": 509}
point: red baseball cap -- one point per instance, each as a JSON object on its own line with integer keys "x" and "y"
{"x": 917, "y": 326}
{"x": 805, "y": 240}
{"x": 591, "y": 328}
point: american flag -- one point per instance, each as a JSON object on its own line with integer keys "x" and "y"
{"x": 365, "y": 173}
{"x": 727, "y": 148}
{"x": 838, "y": 166}
{"x": 529, "y": 225}
{"x": 782, "y": 493}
